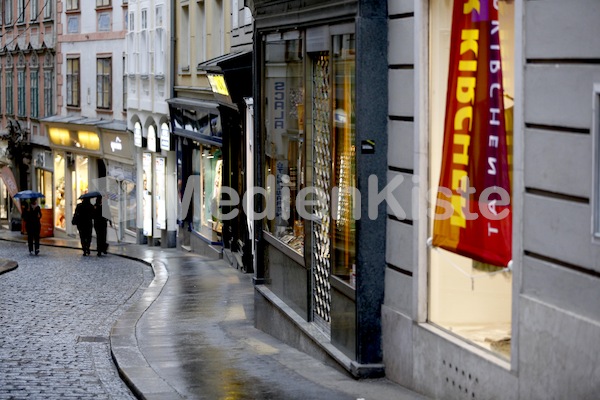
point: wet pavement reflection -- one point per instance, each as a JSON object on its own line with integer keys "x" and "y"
{"x": 207, "y": 352}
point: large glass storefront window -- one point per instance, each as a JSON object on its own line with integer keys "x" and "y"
{"x": 309, "y": 140}
{"x": 44, "y": 186}
{"x": 79, "y": 176}
{"x": 4, "y": 199}
{"x": 147, "y": 194}
{"x": 466, "y": 297}
{"x": 284, "y": 135}
{"x": 344, "y": 162}
{"x": 207, "y": 165}
{"x": 59, "y": 192}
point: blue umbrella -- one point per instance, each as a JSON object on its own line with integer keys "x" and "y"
{"x": 28, "y": 194}
{"x": 90, "y": 195}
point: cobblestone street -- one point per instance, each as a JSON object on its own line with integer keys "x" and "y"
{"x": 56, "y": 311}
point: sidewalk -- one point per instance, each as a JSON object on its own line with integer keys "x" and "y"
{"x": 191, "y": 336}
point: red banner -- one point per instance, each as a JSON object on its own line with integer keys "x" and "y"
{"x": 473, "y": 210}
{"x": 11, "y": 184}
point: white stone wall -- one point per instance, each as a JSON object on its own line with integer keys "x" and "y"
{"x": 87, "y": 41}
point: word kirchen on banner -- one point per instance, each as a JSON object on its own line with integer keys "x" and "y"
{"x": 475, "y": 145}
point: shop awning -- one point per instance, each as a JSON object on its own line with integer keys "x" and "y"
{"x": 230, "y": 76}
{"x": 196, "y": 119}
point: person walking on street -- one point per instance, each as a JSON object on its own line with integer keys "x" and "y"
{"x": 83, "y": 219}
{"x": 32, "y": 216}
{"x": 100, "y": 226}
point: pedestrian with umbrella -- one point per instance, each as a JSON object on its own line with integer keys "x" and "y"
{"x": 100, "y": 226}
{"x": 82, "y": 218}
{"x": 32, "y": 215}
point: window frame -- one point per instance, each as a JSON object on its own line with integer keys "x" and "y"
{"x": 104, "y": 3}
{"x": 48, "y": 9}
{"x": 104, "y": 82}
{"x": 72, "y": 5}
{"x": 48, "y": 91}
{"x": 8, "y": 87}
{"x": 7, "y": 12}
{"x": 33, "y": 10}
{"x": 73, "y": 98}
{"x": 21, "y": 11}
{"x": 21, "y": 93}
{"x": 34, "y": 90}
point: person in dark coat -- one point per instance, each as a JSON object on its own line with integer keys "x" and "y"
{"x": 32, "y": 215}
{"x": 100, "y": 226}
{"x": 84, "y": 213}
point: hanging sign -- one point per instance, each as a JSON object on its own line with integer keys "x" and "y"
{"x": 11, "y": 184}
{"x": 473, "y": 210}
{"x": 137, "y": 135}
{"x": 151, "y": 139}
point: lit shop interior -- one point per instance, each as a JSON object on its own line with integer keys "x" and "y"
{"x": 467, "y": 298}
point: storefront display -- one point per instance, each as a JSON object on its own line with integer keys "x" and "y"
{"x": 160, "y": 193}
{"x": 309, "y": 140}
{"x": 284, "y": 135}
{"x": 207, "y": 165}
{"x": 466, "y": 297}
{"x": 60, "y": 220}
{"x": 147, "y": 194}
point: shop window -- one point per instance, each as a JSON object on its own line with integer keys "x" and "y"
{"x": 4, "y": 200}
{"x": 147, "y": 194}
{"x": 79, "y": 176}
{"x": 44, "y": 185}
{"x": 285, "y": 153}
{"x": 130, "y": 194}
{"x": 103, "y": 83}
{"x": 207, "y": 165}
{"x": 471, "y": 299}
{"x": 73, "y": 82}
{"x": 60, "y": 199}
{"x": 34, "y": 90}
{"x": 343, "y": 228}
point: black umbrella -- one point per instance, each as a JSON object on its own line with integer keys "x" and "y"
{"x": 28, "y": 194}
{"x": 90, "y": 195}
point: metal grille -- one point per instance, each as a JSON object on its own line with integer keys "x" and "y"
{"x": 322, "y": 184}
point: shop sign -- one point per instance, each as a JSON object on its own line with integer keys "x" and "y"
{"x": 475, "y": 169}
{"x": 117, "y": 144}
{"x": 87, "y": 140}
{"x": 160, "y": 193}
{"x": 151, "y": 140}
{"x": 137, "y": 135}
{"x": 165, "y": 137}
{"x": 217, "y": 83}
{"x": 11, "y": 184}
